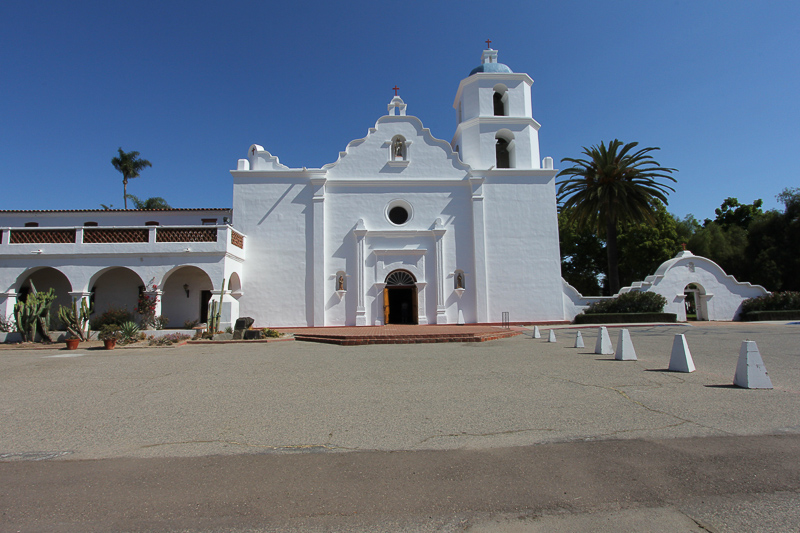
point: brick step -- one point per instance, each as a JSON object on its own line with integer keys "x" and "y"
{"x": 356, "y": 340}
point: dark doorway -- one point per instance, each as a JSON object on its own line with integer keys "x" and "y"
{"x": 402, "y": 305}
{"x": 205, "y": 297}
{"x": 400, "y": 299}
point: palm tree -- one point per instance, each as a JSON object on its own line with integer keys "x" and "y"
{"x": 129, "y": 164}
{"x": 610, "y": 189}
{"x": 156, "y": 202}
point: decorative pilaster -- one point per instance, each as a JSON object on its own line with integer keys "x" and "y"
{"x": 360, "y": 233}
{"x": 318, "y": 259}
{"x": 422, "y": 315}
{"x": 9, "y": 300}
{"x": 441, "y": 311}
{"x": 479, "y": 260}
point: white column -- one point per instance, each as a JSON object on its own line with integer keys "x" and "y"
{"x": 318, "y": 247}
{"x": 8, "y": 303}
{"x": 158, "y": 294}
{"x": 441, "y": 311}
{"x": 77, "y": 297}
{"x": 6, "y": 235}
{"x": 229, "y": 311}
{"x": 479, "y": 259}
{"x": 361, "y": 312}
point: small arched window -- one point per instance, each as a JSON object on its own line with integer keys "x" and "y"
{"x": 31, "y": 224}
{"x": 499, "y": 107}
{"x": 89, "y": 224}
{"x": 500, "y": 100}
{"x": 503, "y": 154}
{"x": 152, "y": 223}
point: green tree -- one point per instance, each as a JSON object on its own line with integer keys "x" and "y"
{"x": 129, "y": 164}
{"x": 582, "y": 256}
{"x": 611, "y": 189}
{"x": 732, "y": 213}
{"x": 773, "y": 245}
{"x": 644, "y": 246}
{"x": 156, "y": 202}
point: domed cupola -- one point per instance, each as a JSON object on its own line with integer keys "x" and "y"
{"x": 489, "y": 64}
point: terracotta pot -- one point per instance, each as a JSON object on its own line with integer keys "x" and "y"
{"x": 110, "y": 344}
{"x": 72, "y": 344}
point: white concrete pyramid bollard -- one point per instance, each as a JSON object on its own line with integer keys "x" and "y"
{"x": 625, "y": 351}
{"x": 603, "y": 345}
{"x": 578, "y": 340}
{"x": 750, "y": 370}
{"x": 536, "y": 334}
{"x": 552, "y": 336}
{"x": 681, "y": 358}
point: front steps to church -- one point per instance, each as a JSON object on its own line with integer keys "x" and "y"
{"x": 400, "y": 334}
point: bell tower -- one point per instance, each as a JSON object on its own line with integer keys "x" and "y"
{"x": 494, "y": 114}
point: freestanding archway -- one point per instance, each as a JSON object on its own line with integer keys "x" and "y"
{"x": 400, "y": 298}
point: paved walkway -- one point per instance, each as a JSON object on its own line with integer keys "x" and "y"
{"x": 510, "y": 435}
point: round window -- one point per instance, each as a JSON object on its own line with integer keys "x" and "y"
{"x": 398, "y": 215}
{"x": 399, "y": 212}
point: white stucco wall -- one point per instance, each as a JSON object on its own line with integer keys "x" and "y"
{"x": 721, "y": 293}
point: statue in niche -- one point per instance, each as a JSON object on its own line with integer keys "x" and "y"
{"x": 460, "y": 281}
{"x": 340, "y": 283}
{"x": 397, "y": 149}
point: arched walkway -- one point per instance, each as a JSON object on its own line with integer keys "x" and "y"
{"x": 185, "y": 296}
{"x": 115, "y": 288}
{"x": 696, "y": 304}
{"x": 43, "y": 279}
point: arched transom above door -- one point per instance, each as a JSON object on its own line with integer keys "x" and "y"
{"x": 401, "y": 278}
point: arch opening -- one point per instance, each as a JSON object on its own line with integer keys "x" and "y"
{"x": 185, "y": 296}
{"x": 400, "y": 298}
{"x": 115, "y": 288}
{"x": 696, "y": 306}
{"x": 43, "y": 279}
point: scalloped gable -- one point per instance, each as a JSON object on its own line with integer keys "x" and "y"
{"x": 369, "y": 158}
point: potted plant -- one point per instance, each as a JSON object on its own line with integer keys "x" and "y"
{"x": 76, "y": 320}
{"x": 72, "y": 343}
{"x": 110, "y": 334}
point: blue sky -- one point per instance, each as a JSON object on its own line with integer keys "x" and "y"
{"x": 191, "y": 85}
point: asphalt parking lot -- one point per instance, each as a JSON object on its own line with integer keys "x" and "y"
{"x": 294, "y": 401}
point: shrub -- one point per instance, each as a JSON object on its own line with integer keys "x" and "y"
{"x": 776, "y": 301}
{"x": 271, "y": 333}
{"x": 168, "y": 340}
{"x": 7, "y": 324}
{"x": 129, "y": 331}
{"x": 109, "y": 331}
{"x": 113, "y": 315}
{"x": 190, "y": 324}
{"x": 160, "y": 322}
{"x": 630, "y": 302}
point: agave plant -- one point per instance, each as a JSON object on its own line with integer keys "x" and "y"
{"x": 129, "y": 331}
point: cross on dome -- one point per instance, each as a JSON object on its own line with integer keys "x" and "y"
{"x": 488, "y": 42}
{"x": 395, "y": 89}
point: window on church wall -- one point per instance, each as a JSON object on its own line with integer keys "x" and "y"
{"x": 500, "y": 100}
{"x": 503, "y": 154}
{"x": 31, "y": 224}
{"x": 89, "y": 224}
{"x": 499, "y": 106}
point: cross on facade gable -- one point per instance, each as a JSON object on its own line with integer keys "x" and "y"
{"x": 488, "y": 42}
{"x": 395, "y": 89}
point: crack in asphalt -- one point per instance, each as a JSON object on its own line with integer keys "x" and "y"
{"x": 489, "y": 434}
{"x": 642, "y": 405}
{"x": 286, "y": 447}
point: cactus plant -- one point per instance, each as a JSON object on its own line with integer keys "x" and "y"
{"x": 76, "y": 320}
{"x": 33, "y": 312}
{"x": 215, "y": 311}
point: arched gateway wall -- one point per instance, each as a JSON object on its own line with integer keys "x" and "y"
{"x": 720, "y": 294}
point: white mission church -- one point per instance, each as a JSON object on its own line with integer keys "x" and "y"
{"x": 403, "y": 228}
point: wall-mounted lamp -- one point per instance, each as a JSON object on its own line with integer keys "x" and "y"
{"x": 186, "y": 288}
